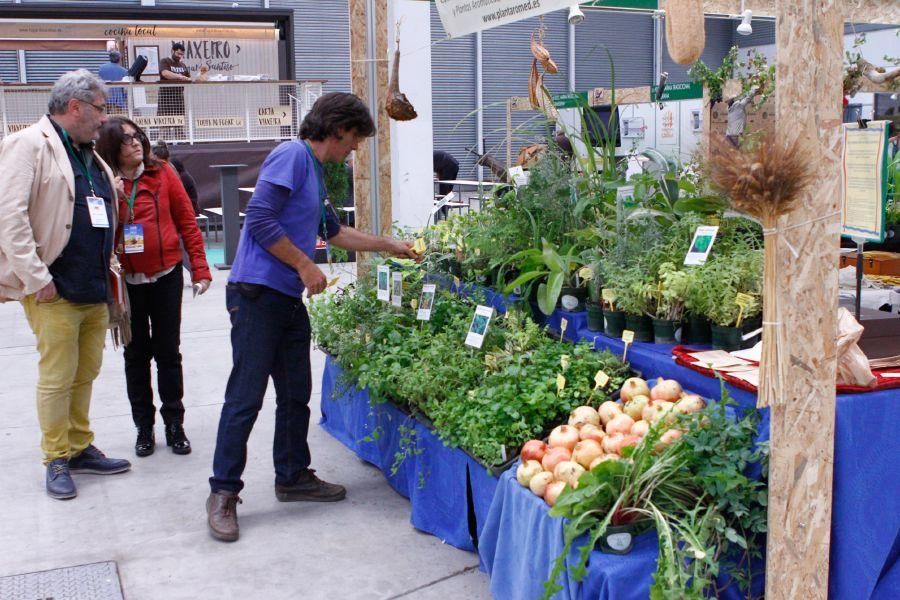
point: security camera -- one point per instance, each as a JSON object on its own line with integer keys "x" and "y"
{"x": 745, "y": 28}
{"x": 575, "y": 15}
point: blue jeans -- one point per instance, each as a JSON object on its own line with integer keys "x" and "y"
{"x": 270, "y": 336}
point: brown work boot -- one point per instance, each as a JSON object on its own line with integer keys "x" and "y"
{"x": 221, "y": 515}
{"x": 310, "y": 488}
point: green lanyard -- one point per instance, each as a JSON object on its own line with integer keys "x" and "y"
{"x": 134, "y": 187}
{"x": 80, "y": 160}
{"x": 320, "y": 175}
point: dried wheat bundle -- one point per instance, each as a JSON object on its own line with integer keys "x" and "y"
{"x": 765, "y": 181}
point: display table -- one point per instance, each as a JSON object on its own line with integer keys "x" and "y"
{"x": 448, "y": 489}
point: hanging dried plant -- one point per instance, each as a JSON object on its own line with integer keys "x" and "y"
{"x": 765, "y": 181}
{"x": 398, "y": 107}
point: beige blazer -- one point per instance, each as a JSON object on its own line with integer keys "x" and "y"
{"x": 37, "y": 199}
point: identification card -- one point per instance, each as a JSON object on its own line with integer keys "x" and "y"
{"x": 478, "y": 328}
{"x": 701, "y": 245}
{"x": 426, "y": 302}
{"x": 397, "y": 289}
{"x": 97, "y": 210}
{"x": 384, "y": 277}
{"x": 134, "y": 238}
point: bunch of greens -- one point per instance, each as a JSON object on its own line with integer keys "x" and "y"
{"x": 708, "y": 512}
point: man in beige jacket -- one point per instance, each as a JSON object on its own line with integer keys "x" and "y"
{"x": 57, "y": 228}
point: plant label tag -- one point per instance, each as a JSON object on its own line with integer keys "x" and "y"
{"x": 609, "y": 296}
{"x": 601, "y": 379}
{"x": 560, "y": 383}
{"x": 457, "y": 283}
{"x": 443, "y": 202}
{"x": 503, "y": 456}
{"x": 701, "y": 245}
{"x": 744, "y": 301}
{"x": 426, "y": 302}
{"x": 397, "y": 289}
{"x": 519, "y": 176}
{"x": 563, "y": 325}
{"x": 384, "y": 277}
{"x": 628, "y": 336}
{"x": 478, "y": 328}
{"x": 624, "y": 193}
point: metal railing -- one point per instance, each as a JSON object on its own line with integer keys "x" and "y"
{"x": 231, "y": 111}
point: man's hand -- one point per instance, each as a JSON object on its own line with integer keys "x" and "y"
{"x": 201, "y": 286}
{"x": 48, "y": 292}
{"x": 403, "y": 249}
{"x": 313, "y": 279}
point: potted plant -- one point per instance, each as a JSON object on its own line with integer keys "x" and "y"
{"x": 555, "y": 270}
{"x": 635, "y": 298}
{"x": 669, "y": 293}
{"x": 722, "y": 278}
{"x": 594, "y": 305}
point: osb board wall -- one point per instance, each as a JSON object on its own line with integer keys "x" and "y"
{"x": 383, "y": 121}
{"x": 362, "y": 181}
{"x": 809, "y": 75}
{"x": 759, "y": 118}
{"x": 856, "y": 11}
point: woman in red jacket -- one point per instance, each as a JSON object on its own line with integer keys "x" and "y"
{"x": 156, "y": 216}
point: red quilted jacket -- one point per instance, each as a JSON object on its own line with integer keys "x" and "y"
{"x": 163, "y": 208}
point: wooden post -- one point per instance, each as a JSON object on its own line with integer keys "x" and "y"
{"x": 359, "y": 75}
{"x": 810, "y": 49}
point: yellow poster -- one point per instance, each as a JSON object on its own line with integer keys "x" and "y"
{"x": 862, "y": 207}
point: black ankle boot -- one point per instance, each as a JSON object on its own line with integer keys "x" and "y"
{"x": 146, "y": 441}
{"x": 176, "y": 438}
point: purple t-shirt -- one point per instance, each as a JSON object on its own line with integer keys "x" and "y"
{"x": 288, "y": 201}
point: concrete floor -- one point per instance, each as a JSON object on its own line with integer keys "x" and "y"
{"x": 152, "y": 520}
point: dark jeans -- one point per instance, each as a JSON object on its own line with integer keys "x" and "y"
{"x": 270, "y": 336}
{"x": 156, "y": 334}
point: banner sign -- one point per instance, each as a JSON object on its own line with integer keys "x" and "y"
{"x": 864, "y": 181}
{"x": 461, "y": 17}
{"x": 679, "y": 91}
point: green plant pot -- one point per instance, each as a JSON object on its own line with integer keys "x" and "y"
{"x": 614, "y": 322}
{"x": 642, "y": 327}
{"x": 664, "y": 331}
{"x": 726, "y": 338}
{"x": 594, "y": 317}
{"x": 571, "y": 299}
{"x": 696, "y": 330}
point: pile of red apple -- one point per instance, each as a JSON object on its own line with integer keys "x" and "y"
{"x": 595, "y": 435}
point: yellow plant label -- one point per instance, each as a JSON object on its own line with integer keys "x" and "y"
{"x": 333, "y": 282}
{"x": 456, "y": 281}
{"x": 743, "y": 300}
{"x": 564, "y": 361}
{"x": 601, "y": 379}
{"x": 628, "y": 336}
{"x": 560, "y": 383}
{"x": 419, "y": 247}
{"x": 609, "y": 295}
{"x": 563, "y": 325}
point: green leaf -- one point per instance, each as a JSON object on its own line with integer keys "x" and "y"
{"x": 548, "y": 293}
{"x": 523, "y": 279}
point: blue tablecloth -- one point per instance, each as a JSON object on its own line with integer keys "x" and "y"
{"x": 865, "y": 542}
{"x": 436, "y": 479}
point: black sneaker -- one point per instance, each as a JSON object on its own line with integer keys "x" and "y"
{"x": 310, "y": 488}
{"x": 176, "y": 438}
{"x": 146, "y": 441}
{"x": 91, "y": 460}
{"x": 59, "y": 481}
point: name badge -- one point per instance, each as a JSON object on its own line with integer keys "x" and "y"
{"x": 134, "y": 238}
{"x": 97, "y": 210}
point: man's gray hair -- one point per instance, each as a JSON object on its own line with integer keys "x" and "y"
{"x": 80, "y": 84}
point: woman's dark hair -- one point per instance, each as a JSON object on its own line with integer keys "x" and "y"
{"x": 111, "y": 139}
{"x": 161, "y": 150}
{"x": 333, "y": 112}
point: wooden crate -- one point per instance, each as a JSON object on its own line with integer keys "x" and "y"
{"x": 875, "y": 263}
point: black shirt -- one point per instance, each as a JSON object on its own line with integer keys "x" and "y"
{"x": 445, "y": 165}
{"x": 80, "y": 272}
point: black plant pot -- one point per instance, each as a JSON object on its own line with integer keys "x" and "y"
{"x": 642, "y": 327}
{"x": 664, "y": 331}
{"x": 614, "y": 322}
{"x": 695, "y": 330}
{"x": 536, "y": 315}
{"x": 619, "y": 539}
{"x": 726, "y": 338}
{"x": 594, "y": 317}
{"x": 572, "y": 299}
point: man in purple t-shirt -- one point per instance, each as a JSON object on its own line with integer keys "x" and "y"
{"x": 270, "y": 332}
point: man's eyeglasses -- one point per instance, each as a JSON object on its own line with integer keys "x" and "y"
{"x": 130, "y": 138}
{"x": 101, "y": 108}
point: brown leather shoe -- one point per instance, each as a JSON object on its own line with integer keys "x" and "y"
{"x": 221, "y": 515}
{"x": 310, "y": 488}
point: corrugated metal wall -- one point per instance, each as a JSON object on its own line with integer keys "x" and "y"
{"x": 9, "y": 66}
{"x": 45, "y": 66}
{"x": 453, "y": 98}
{"x": 719, "y": 39}
{"x": 629, "y": 38}
{"x": 321, "y": 41}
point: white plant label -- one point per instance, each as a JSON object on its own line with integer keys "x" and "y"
{"x": 443, "y": 202}
{"x": 426, "y": 302}
{"x": 478, "y": 329}
{"x": 519, "y": 176}
{"x": 563, "y": 325}
{"x": 384, "y": 279}
{"x": 397, "y": 289}
{"x": 701, "y": 245}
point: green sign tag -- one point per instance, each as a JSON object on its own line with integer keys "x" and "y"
{"x": 570, "y": 100}
{"x": 679, "y": 91}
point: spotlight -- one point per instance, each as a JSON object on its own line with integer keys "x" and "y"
{"x": 575, "y": 15}
{"x": 745, "y": 28}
